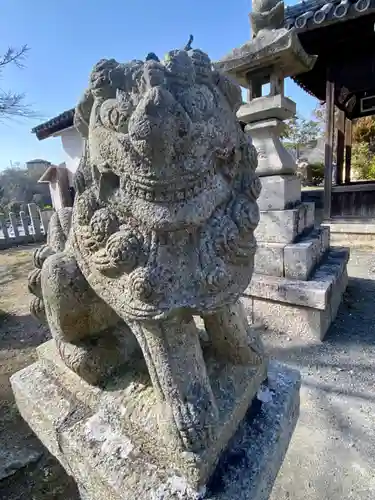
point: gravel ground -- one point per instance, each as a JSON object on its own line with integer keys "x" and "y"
{"x": 31, "y": 472}
{"x": 332, "y": 453}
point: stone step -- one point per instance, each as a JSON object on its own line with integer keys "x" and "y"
{"x": 302, "y": 309}
{"x": 269, "y": 259}
{"x": 302, "y": 257}
{"x": 314, "y": 292}
{"x": 295, "y": 260}
{"x": 284, "y": 226}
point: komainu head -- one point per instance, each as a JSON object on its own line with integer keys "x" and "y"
{"x": 166, "y": 203}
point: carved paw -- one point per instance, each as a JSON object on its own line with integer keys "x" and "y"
{"x": 92, "y": 359}
{"x": 37, "y": 309}
{"x": 41, "y": 254}
{"x": 34, "y": 283}
{"x": 196, "y": 420}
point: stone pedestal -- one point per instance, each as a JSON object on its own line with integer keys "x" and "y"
{"x": 83, "y": 427}
{"x": 294, "y": 263}
{"x": 299, "y": 280}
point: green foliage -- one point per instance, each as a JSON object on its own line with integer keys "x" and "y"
{"x": 299, "y": 132}
{"x": 363, "y": 161}
{"x": 19, "y": 186}
{"x": 364, "y": 131}
{"x": 317, "y": 173}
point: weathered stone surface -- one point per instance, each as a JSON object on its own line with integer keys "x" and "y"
{"x": 13, "y": 459}
{"x": 34, "y": 219}
{"x": 14, "y": 223}
{"x": 4, "y": 227}
{"x": 24, "y": 223}
{"x": 305, "y": 293}
{"x": 266, "y": 15}
{"x": 275, "y": 107}
{"x": 309, "y": 214}
{"x": 261, "y": 52}
{"x": 273, "y": 157}
{"x": 301, "y": 223}
{"x": 357, "y": 233}
{"x": 167, "y": 183}
{"x": 279, "y": 192}
{"x": 279, "y": 226}
{"x": 314, "y": 293}
{"x": 325, "y": 239}
{"x": 304, "y": 323}
{"x": 300, "y": 258}
{"x": 106, "y": 461}
{"x": 299, "y": 308}
{"x": 269, "y": 259}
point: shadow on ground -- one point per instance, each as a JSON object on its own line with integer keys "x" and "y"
{"x": 332, "y": 452}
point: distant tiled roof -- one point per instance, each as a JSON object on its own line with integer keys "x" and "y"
{"x": 60, "y": 122}
{"x": 312, "y": 14}
{"x": 37, "y": 160}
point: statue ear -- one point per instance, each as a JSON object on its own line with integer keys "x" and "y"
{"x": 82, "y": 114}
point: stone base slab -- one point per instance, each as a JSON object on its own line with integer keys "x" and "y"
{"x": 131, "y": 394}
{"x": 303, "y": 309}
{"x": 106, "y": 463}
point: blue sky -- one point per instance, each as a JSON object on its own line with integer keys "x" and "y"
{"x": 68, "y": 37}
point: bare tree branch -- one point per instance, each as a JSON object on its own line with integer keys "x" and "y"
{"x": 12, "y": 104}
{"x": 14, "y": 56}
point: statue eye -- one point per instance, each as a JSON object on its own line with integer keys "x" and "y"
{"x": 109, "y": 113}
{"x": 114, "y": 117}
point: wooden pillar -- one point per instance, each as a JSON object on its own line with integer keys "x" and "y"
{"x": 348, "y": 149}
{"x": 340, "y": 147}
{"x": 328, "y": 149}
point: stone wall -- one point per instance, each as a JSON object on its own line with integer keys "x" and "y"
{"x": 24, "y": 228}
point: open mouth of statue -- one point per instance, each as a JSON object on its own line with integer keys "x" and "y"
{"x": 170, "y": 190}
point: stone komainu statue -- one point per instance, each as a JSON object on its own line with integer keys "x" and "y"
{"x": 161, "y": 230}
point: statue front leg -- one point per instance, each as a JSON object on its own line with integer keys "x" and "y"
{"x": 178, "y": 372}
{"x": 231, "y": 336}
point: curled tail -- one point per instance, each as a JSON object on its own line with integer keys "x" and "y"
{"x": 58, "y": 231}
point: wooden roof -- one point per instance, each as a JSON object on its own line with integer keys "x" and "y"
{"x": 57, "y": 124}
{"x": 315, "y": 14}
{"x": 342, "y": 35}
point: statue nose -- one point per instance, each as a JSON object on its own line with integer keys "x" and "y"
{"x": 160, "y": 122}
